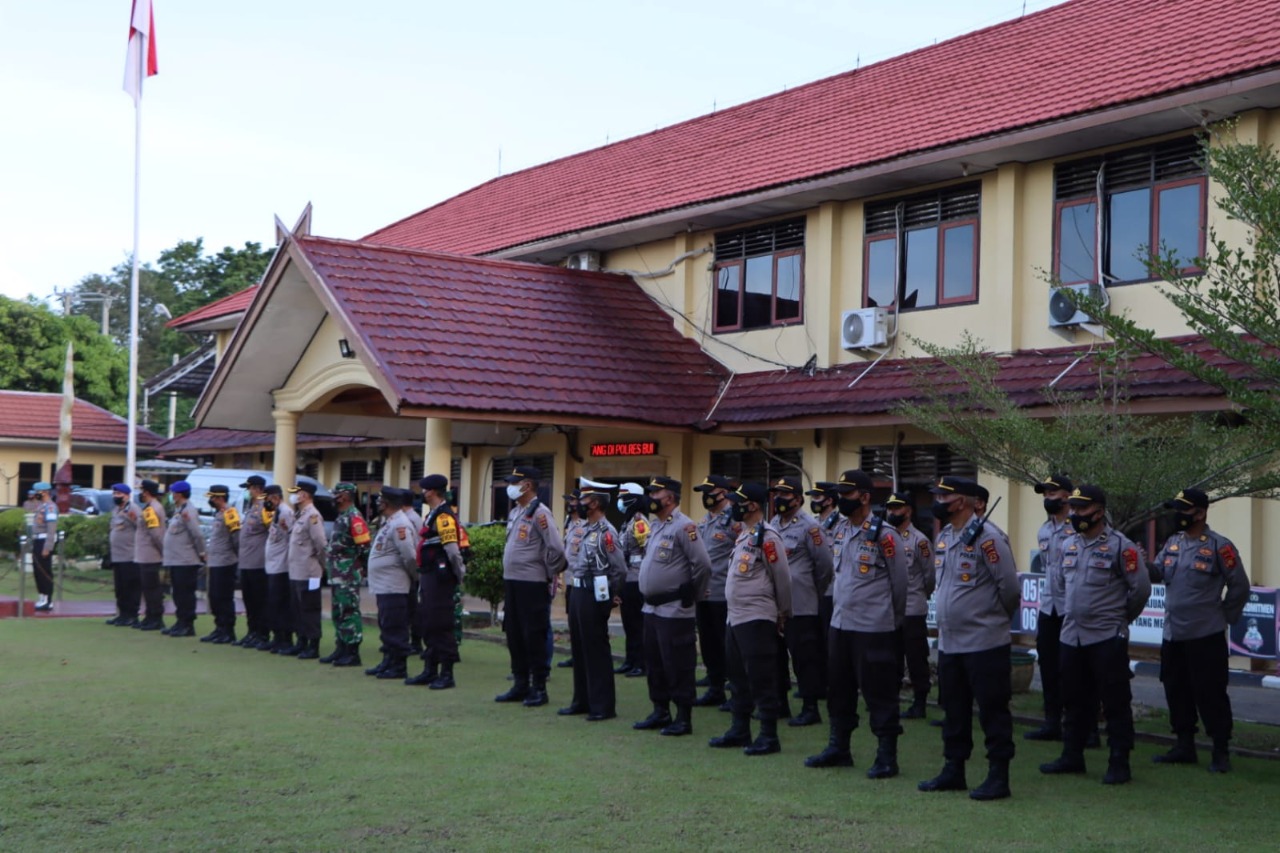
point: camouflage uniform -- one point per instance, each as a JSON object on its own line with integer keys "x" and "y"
{"x": 348, "y": 545}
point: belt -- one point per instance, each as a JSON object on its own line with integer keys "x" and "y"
{"x": 582, "y": 583}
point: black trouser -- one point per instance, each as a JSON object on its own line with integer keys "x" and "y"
{"x": 984, "y": 677}
{"x": 806, "y": 640}
{"x": 712, "y": 616}
{"x": 670, "y": 658}
{"x": 915, "y": 650}
{"x": 42, "y": 568}
{"x": 305, "y": 607}
{"x": 1049, "y": 656}
{"x": 435, "y": 609}
{"x": 128, "y": 588}
{"x": 182, "y": 581}
{"x": 152, "y": 593}
{"x": 826, "y": 608}
{"x": 1194, "y": 673}
{"x": 1093, "y": 672}
{"x": 633, "y": 622}
{"x": 393, "y": 623}
{"x": 280, "y": 605}
{"x": 526, "y": 621}
{"x": 864, "y": 662}
{"x": 253, "y": 588}
{"x": 751, "y": 661}
{"x": 415, "y": 624}
{"x": 592, "y": 656}
{"x": 222, "y": 596}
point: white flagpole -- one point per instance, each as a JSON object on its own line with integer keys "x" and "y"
{"x": 131, "y": 443}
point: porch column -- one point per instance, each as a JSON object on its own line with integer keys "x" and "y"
{"x": 285, "y": 462}
{"x": 438, "y": 448}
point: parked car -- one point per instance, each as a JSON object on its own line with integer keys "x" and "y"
{"x": 201, "y": 479}
{"x": 91, "y": 501}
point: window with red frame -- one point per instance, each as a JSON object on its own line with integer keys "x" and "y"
{"x": 922, "y": 251}
{"x": 759, "y": 277}
{"x": 1152, "y": 198}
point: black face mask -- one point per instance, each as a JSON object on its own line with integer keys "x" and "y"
{"x": 1081, "y": 523}
{"x": 738, "y": 512}
{"x": 269, "y": 504}
{"x": 781, "y": 504}
{"x": 848, "y": 506}
{"x": 1053, "y": 506}
{"x": 118, "y": 501}
{"x": 1185, "y": 520}
{"x": 580, "y": 510}
{"x": 709, "y": 500}
{"x": 816, "y": 507}
{"x": 895, "y": 518}
{"x": 941, "y": 511}
{"x": 212, "y": 504}
{"x": 652, "y": 506}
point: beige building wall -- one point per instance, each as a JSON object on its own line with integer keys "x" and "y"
{"x": 14, "y": 453}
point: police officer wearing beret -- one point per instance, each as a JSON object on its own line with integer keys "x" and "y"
{"x": 1205, "y": 591}
{"x": 184, "y": 553}
{"x": 1106, "y": 589}
{"x": 124, "y": 530}
{"x": 148, "y": 553}
{"x": 921, "y": 581}
{"x": 393, "y": 570}
{"x": 223, "y": 552}
{"x": 44, "y": 540}
{"x": 718, "y": 532}
{"x": 977, "y": 595}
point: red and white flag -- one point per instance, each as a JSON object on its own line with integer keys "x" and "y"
{"x": 140, "y": 62}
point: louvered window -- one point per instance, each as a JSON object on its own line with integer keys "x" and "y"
{"x": 756, "y": 466}
{"x": 502, "y": 466}
{"x": 918, "y": 468}
{"x": 922, "y": 251}
{"x": 759, "y": 276}
{"x": 1121, "y": 206}
{"x": 361, "y": 471}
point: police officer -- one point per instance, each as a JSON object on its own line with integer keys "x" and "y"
{"x": 863, "y": 643}
{"x": 308, "y": 548}
{"x": 45, "y": 540}
{"x": 810, "y": 563}
{"x": 596, "y": 571}
{"x": 976, "y": 597}
{"x": 393, "y": 569}
{"x": 148, "y": 554}
{"x": 822, "y": 505}
{"x": 348, "y": 542}
{"x": 253, "y": 561}
{"x": 574, "y": 522}
{"x": 531, "y": 560}
{"x": 184, "y": 554}
{"x": 278, "y": 516}
{"x": 1106, "y": 589}
{"x": 124, "y": 529}
{"x": 718, "y": 532}
{"x": 758, "y": 594}
{"x": 1055, "y": 490}
{"x": 921, "y": 581}
{"x": 673, "y": 576}
{"x": 1205, "y": 591}
{"x": 441, "y": 573}
{"x": 223, "y": 550}
{"x": 407, "y": 499}
{"x": 635, "y": 534}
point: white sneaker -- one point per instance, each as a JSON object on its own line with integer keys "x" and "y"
{"x": 44, "y": 603}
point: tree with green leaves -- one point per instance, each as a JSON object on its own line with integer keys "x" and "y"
{"x": 33, "y": 353}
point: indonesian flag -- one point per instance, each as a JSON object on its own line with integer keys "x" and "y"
{"x": 142, "y": 49}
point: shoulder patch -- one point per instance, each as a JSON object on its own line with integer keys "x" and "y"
{"x": 608, "y": 541}
{"x": 359, "y": 529}
{"x": 315, "y": 519}
{"x": 887, "y": 545}
{"x": 815, "y": 533}
{"x": 771, "y": 551}
{"x": 1130, "y": 560}
{"x": 692, "y": 531}
{"x": 989, "y": 551}
{"x": 231, "y": 519}
{"x": 1229, "y": 557}
{"x": 924, "y": 548}
{"x": 447, "y": 528}
{"x": 150, "y": 518}
{"x": 542, "y": 520}
{"x": 401, "y": 532}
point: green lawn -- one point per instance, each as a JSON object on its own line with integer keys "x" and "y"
{"x": 114, "y": 739}
{"x": 78, "y": 582}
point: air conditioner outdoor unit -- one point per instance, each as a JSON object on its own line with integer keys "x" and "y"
{"x": 584, "y": 261}
{"x": 864, "y": 328}
{"x": 1062, "y": 311}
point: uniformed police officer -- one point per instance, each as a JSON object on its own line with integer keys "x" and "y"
{"x": 308, "y": 547}
{"x": 223, "y": 553}
{"x": 822, "y": 505}
{"x": 393, "y": 569}
{"x": 124, "y": 529}
{"x": 596, "y": 572}
{"x": 278, "y": 516}
{"x": 440, "y": 573}
{"x": 148, "y": 554}
{"x": 635, "y": 534}
{"x": 864, "y": 645}
{"x": 45, "y": 540}
{"x": 921, "y": 581}
{"x": 1205, "y": 591}
{"x": 1053, "y": 534}
{"x": 718, "y": 532}
{"x": 1106, "y": 589}
{"x": 252, "y": 562}
{"x": 574, "y": 522}
{"x": 673, "y": 576}
{"x": 758, "y": 593}
{"x": 184, "y": 553}
{"x": 975, "y": 600}
{"x": 810, "y": 563}
{"x": 531, "y": 560}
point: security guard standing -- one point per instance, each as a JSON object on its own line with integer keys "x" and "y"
{"x": 393, "y": 570}
{"x": 440, "y": 574}
{"x": 822, "y": 505}
{"x": 976, "y": 597}
{"x": 635, "y": 534}
{"x": 348, "y": 543}
{"x": 1106, "y": 589}
{"x": 1051, "y": 538}
{"x": 864, "y": 643}
{"x": 810, "y": 563}
{"x": 148, "y": 554}
{"x": 308, "y": 548}
{"x": 1205, "y": 591}
{"x": 673, "y": 576}
{"x": 278, "y": 516}
{"x": 597, "y": 571}
{"x": 45, "y": 540}
{"x": 253, "y": 561}
{"x": 718, "y": 531}
{"x": 224, "y": 553}
{"x": 531, "y": 560}
{"x": 922, "y": 579}
{"x": 574, "y": 523}
{"x": 124, "y": 529}
{"x": 184, "y": 554}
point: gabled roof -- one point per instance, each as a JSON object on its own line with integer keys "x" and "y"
{"x": 1080, "y": 57}
{"x": 208, "y": 440}
{"x": 225, "y": 311}
{"x": 36, "y": 416}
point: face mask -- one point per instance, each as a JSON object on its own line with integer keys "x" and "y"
{"x": 848, "y": 506}
{"x": 269, "y": 504}
{"x": 624, "y": 507}
{"x": 213, "y": 503}
{"x": 738, "y": 512}
{"x": 119, "y": 501}
{"x": 582, "y": 510}
{"x": 896, "y": 518}
{"x": 1053, "y": 506}
{"x": 514, "y": 492}
{"x": 941, "y": 511}
{"x": 1081, "y": 523}
{"x": 1185, "y": 520}
{"x": 293, "y": 500}
{"x": 781, "y": 504}
{"x": 709, "y": 500}
{"x": 653, "y": 506}
{"x": 816, "y": 507}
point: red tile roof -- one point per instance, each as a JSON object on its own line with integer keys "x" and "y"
{"x": 1076, "y": 58}
{"x": 212, "y": 440}
{"x": 36, "y": 416}
{"x": 479, "y": 335}
{"x": 236, "y": 303}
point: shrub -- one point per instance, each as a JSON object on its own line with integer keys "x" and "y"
{"x": 85, "y": 536}
{"x": 13, "y": 524}
{"x": 484, "y": 569}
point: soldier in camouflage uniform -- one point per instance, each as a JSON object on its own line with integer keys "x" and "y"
{"x": 348, "y": 545}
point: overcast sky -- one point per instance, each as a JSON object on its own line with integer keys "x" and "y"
{"x": 372, "y": 111}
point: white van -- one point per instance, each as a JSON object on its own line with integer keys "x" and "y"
{"x": 202, "y": 479}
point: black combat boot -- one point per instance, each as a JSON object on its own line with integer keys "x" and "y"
{"x": 289, "y": 647}
{"x": 209, "y": 638}
{"x": 837, "y": 753}
{"x": 1220, "y": 762}
{"x": 1048, "y": 731}
{"x": 808, "y": 715}
{"x": 950, "y": 779}
{"x": 374, "y": 670}
{"x": 445, "y": 680}
{"x": 394, "y": 670}
{"x": 660, "y": 718}
{"x": 339, "y": 649}
{"x": 739, "y": 733}
{"x": 1118, "y": 772}
{"x": 430, "y": 672}
{"x": 767, "y": 742}
{"x": 351, "y": 657}
{"x": 996, "y": 785}
{"x": 1071, "y": 761}
{"x": 886, "y": 763}
{"x": 247, "y": 639}
{"x": 310, "y": 649}
{"x": 713, "y": 697}
{"x": 519, "y": 690}
{"x": 127, "y": 622}
{"x": 1183, "y": 752}
{"x": 152, "y": 625}
{"x": 183, "y": 629}
{"x": 114, "y": 620}
{"x": 918, "y": 707}
{"x": 682, "y": 724}
{"x": 537, "y": 693}
{"x": 225, "y": 638}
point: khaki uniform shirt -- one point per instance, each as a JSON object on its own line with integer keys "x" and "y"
{"x": 148, "y": 541}
{"x": 124, "y": 530}
{"x": 634, "y": 537}
{"x": 393, "y": 557}
{"x": 808, "y": 559}
{"x": 977, "y": 590}
{"x": 1107, "y": 587}
{"x": 599, "y": 553}
{"x": 1053, "y": 534}
{"x": 759, "y": 583}
{"x": 308, "y": 545}
{"x": 674, "y": 557}
{"x": 279, "y": 521}
{"x": 253, "y": 537}
{"x": 719, "y": 533}
{"x": 224, "y": 537}
{"x": 534, "y": 549}
{"x": 1196, "y": 574}
{"x": 870, "y": 589}
{"x": 183, "y": 538}
{"x": 922, "y": 577}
